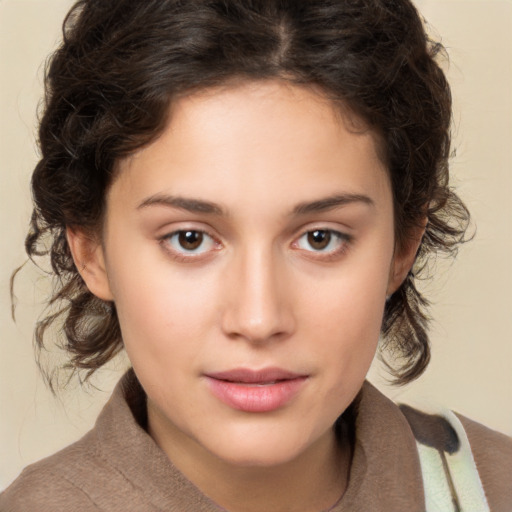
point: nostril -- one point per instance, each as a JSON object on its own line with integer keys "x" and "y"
{"x": 269, "y": 325}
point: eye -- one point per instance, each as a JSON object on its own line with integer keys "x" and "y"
{"x": 189, "y": 241}
{"x": 326, "y": 241}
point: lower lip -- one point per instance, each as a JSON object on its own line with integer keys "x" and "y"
{"x": 255, "y": 397}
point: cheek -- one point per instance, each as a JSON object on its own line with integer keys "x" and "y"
{"x": 163, "y": 311}
{"x": 351, "y": 299}
{"x": 351, "y": 333}
{"x": 345, "y": 314}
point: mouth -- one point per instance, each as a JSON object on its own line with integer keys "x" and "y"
{"x": 255, "y": 391}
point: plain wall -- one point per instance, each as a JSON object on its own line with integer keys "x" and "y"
{"x": 471, "y": 369}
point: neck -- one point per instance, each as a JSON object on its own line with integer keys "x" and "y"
{"x": 312, "y": 482}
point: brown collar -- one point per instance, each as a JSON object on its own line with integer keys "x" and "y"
{"x": 385, "y": 473}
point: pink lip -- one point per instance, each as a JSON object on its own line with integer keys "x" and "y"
{"x": 255, "y": 390}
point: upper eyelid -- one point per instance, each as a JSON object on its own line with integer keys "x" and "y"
{"x": 322, "y": 227}
{"x": 169, "y": 233}
{"x": 324, "y": 224}
{"x": 204, "y": 232}
{"x": 196, "y": 224}
{"x": 298, "y": 233}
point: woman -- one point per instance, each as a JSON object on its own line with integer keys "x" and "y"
{"x": 240, "y": 194}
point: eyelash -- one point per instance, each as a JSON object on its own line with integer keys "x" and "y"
{"x": 344, "y": 241}
{"x": 165, "y": 242}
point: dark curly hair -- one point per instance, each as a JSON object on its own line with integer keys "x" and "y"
{"x": 123, "y": 62}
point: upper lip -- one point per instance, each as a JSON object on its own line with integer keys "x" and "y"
{"x": 248, "y": 376}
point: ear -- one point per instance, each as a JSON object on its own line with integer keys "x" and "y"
{"x": 89, "y": 260}
{"x": 403, "y": 259}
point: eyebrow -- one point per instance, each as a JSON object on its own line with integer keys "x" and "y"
{"x": 206, "y": 207}
{"x": 183, "y": 203}
{"x": 331, "y": 203}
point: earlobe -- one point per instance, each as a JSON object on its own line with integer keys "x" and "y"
{"x": 403, "y": 260}
{"x": 89, "y": 260}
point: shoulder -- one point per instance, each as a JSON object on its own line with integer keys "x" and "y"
{"x": 491, "y": 450}
{"x": 493, "y": 456}
{"x": 100, "y": 472}
{"x": 45, "y": 486}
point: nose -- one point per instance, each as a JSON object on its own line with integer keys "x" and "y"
{"x": 259, "y": 306}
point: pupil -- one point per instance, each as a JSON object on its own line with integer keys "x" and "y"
{"x": 190, "y": 240}
{"x": 319, "y": 239}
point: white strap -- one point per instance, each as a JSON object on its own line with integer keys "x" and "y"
{"x": 463, "y": 475}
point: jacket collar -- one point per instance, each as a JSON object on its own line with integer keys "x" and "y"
{"x": 385, "y": 472}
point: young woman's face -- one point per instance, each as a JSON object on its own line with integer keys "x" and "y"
{"x": 249, "y": 252}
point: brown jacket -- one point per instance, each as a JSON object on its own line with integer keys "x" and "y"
{"x": 117, "y": 467}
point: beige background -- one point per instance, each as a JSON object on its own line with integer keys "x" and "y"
{"x": 471, "y": 369}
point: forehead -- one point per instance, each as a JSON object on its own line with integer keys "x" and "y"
{"x": 256, "y": 140}
{"x": 262, "y": 104}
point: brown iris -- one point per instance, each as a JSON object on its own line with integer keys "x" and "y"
{"x": 319, "y": 239}
{"x": 190, "y": 240}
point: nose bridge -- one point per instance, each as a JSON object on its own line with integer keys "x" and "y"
{"x": 258, "y": 308}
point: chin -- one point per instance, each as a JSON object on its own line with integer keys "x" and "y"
{"x": 263, "y": 449}
{"x": 256, "y": 459}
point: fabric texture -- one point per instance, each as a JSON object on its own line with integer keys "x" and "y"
{"x": 117, "y": 467}
{"x": 451, "y": 480}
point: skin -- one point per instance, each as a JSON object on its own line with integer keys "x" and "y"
{"x": 256, "y": 292}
